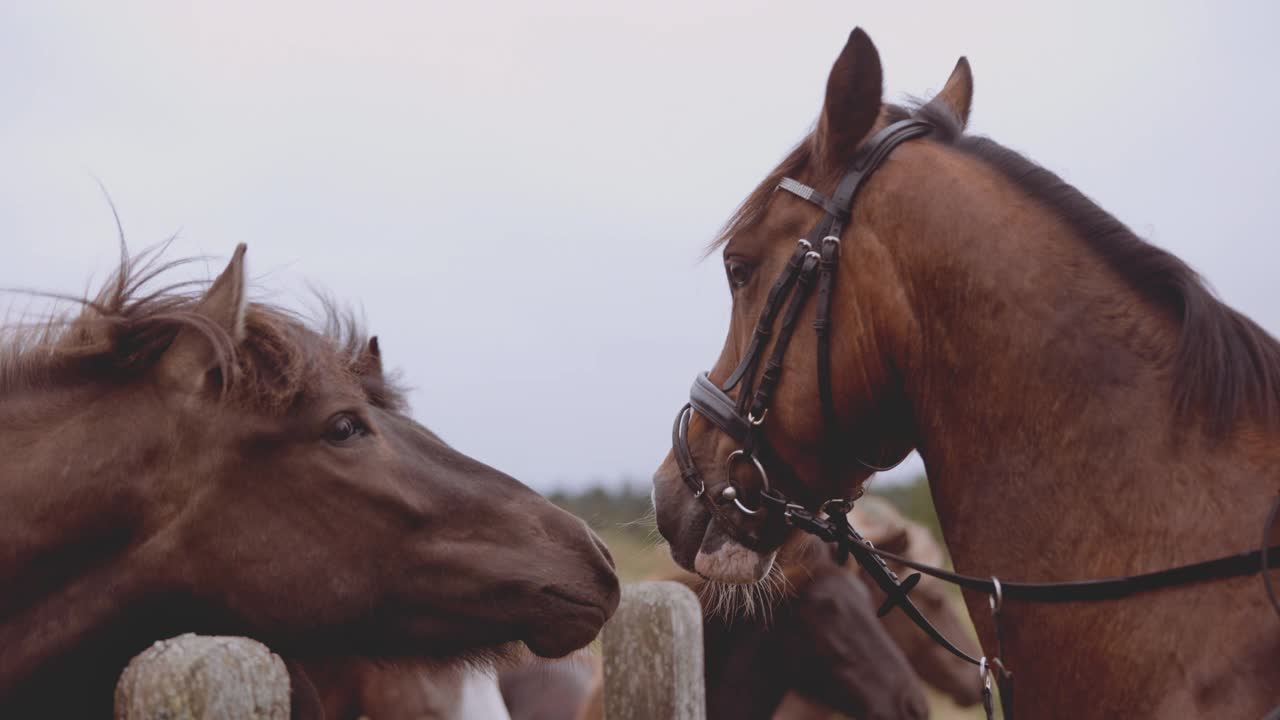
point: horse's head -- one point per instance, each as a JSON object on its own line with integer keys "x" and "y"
{"x": 332, "y": 508}
{"x": 238, "y": 471}
{"x": 820, "y": 638}
{"x": 823, "y": 640}
{"x": 839, "y": 655}
{"x": 933, "y": 662}
{"x": 715, "y": 523}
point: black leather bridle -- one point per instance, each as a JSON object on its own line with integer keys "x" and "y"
{"x": 816, "y": 257}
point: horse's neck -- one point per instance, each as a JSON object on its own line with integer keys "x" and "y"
{"x": 63, "y": 496}
{"x": 1042, "y": 392}
{"x": 1044, "y": 399}
{"x": 65, "y": 539}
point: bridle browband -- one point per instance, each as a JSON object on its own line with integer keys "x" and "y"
{"x": 743, "y": 419}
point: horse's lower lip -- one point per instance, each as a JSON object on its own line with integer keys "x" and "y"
{"x": 559, "y": 638}
{"x": 577, "y": 622}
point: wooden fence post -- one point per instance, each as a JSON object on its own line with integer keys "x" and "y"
{"x": 195, "y": 677}
{"x": 653, "y": 655}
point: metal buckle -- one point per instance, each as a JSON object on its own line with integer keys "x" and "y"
{"x": 691, "y": 473}
{"x": 986, "y": 665}
{"x": 841, "y": 506}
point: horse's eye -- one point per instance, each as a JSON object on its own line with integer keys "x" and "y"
{"x": 343, "y": 427}
{"x": 739, "y": 273}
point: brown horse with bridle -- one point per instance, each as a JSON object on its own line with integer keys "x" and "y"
{"x": 1085, "y": 408}
{"x": 176, "y": 460}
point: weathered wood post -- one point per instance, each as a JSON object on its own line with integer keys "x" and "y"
{"x": 653, "y": 655}
{"x": 195, "y": 677}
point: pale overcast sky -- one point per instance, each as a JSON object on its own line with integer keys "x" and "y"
{"x": 516, "y": 194}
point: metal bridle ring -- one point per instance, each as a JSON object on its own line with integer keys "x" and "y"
{"x": 685, "y": 418}
{"x": 764, "y": 478}
{"x": 984, "y": 672}
{"x": 997, "y": 598}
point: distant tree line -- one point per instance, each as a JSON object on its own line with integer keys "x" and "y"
{"x": 912, "y": 498}
{"x": 625, "y": 506}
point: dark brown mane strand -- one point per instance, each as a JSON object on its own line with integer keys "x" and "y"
{"x": 122, "y": 331}
{"x": 1225, "y": 365}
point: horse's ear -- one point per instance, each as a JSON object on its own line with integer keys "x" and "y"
{"x": 957, "y": 94}
{"x": 200, "y": 349}
{"x": 853, "y": 97}
{"x": 369, "y": 364}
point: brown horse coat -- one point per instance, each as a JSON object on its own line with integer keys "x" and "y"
{"x": 1084, "y": 406}
{"x": 175, "y": 461}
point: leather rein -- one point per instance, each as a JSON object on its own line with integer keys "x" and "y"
{"x": 816, "y": 258}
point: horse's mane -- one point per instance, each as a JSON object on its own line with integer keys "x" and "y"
{"x": 122, "y": 331}
{"x": 1224, "y": 364}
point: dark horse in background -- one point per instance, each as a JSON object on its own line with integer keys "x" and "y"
{"x": 818, "y": 649}
{"x": 1083, "y": 405}
{"x": 175, "y": 461}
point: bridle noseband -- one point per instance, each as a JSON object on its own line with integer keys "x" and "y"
{"x": 815, "y": 259}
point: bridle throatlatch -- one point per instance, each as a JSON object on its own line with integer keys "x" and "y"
{"x": 813, "y": 265}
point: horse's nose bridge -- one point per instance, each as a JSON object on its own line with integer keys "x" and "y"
{"x": 543, "y": 543}
{"x": 569, "y": 533}
{"x": 527, "y": 520}
{"x": 471, "y": 487}
{"x": 571, "y": 555}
